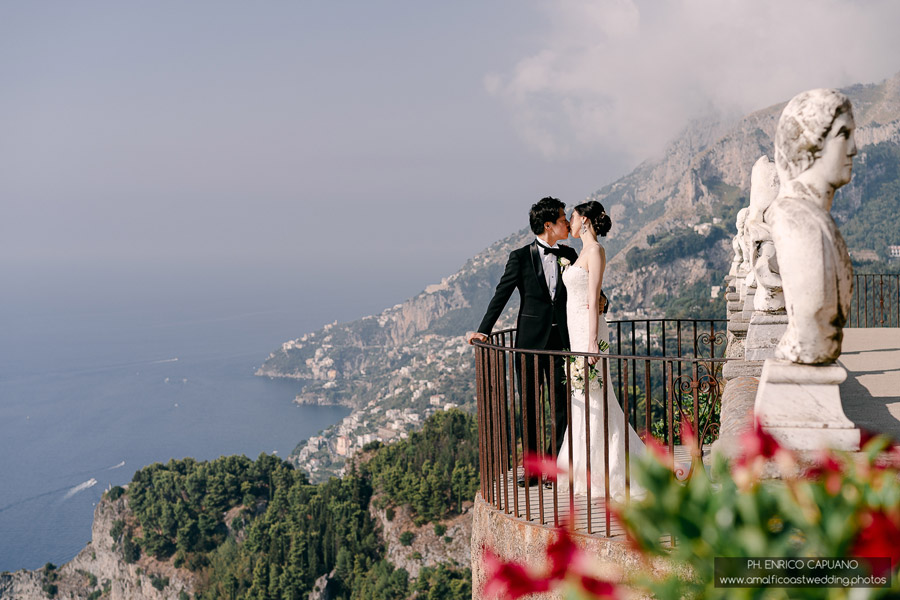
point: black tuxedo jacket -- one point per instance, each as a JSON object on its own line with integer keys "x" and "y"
{"x": 537, "y": 312}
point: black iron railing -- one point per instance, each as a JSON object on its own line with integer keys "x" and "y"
{"x": 875, "y": 301}
{"x": 665, "y": 372}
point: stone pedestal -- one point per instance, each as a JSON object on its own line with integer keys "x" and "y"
{"x": 800, "y": 405}
{"x": 733, "y": 303}
{"x": 763, "y": 334}
{"x": 748, "y": 308}
{"x": 735, "y": 334}
{"x": 738, "y": 399}
{"x": 742, "y": 368}
{"x": 736, "y": 349}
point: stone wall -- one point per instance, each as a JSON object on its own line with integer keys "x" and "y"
{"x": 524, "y": 542}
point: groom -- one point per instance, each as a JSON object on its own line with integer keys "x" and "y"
{"x": 535, "y": 271}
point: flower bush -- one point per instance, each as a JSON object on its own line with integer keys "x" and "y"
{"x": 839, "y": 505}
{"x": 769, "y": 502}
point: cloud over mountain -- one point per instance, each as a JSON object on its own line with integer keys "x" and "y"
{"x": 627, "y": 74}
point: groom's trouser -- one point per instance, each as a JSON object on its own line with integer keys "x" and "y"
{"x": 532, "y": 397}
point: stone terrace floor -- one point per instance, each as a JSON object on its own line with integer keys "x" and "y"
{"x": 871, "y": 393}
{"x": 537, "y": 506}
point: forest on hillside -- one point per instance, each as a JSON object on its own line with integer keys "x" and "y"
{"x": 260, "y": 530}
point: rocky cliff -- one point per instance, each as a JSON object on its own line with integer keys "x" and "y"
{"x": 99, "y": 571}
{"x": 427, "y": 548}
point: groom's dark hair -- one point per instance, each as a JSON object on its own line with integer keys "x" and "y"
{"x": 547, "y": 209}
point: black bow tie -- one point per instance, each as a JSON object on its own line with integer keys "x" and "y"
{"x": 554, "y": 251}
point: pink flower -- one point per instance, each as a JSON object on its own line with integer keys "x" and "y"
{"x": 562, "y": 554}
{"x": 509, "y": 579}
{"x": 657, "y": 450}
{"x": 543, "y": 465}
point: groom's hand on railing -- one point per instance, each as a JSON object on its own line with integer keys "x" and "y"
{"x": 472, "y": 336}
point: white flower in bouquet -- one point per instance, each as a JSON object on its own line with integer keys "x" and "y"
{"x": 577, "y": 369}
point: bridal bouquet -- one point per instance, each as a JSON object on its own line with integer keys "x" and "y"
{"x": 577, "y": 370}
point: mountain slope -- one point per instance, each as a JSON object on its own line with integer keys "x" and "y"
{"x": 703, "y": 178}
{"x": 673, "y": 219}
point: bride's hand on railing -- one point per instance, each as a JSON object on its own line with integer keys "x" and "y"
{"x": 594, "y": 348}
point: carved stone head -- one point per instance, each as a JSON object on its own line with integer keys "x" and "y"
{"x": 803, "y": 134}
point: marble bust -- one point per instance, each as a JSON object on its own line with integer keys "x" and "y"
{"x": 814, "y": 150}
{"x": 740, "y": 263}
{"x": 763, "y": 260}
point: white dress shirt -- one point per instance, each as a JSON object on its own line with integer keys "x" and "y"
{"x": 549, "y": 262}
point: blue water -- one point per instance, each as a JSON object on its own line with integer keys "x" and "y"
{"x": 89, "y": 380}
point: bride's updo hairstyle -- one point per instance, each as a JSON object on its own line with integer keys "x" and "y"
{"x": 596, "y": 214}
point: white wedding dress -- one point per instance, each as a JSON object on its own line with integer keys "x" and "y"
{"x": 576, "y": 281}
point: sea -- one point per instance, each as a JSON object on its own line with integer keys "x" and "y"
{"x": 106, "y": 370}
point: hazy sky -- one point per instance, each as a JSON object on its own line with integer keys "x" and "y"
{"x": 370, "y": 137}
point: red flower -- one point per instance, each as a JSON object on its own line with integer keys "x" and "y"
{"x": 543, "y": 465}
{"x": 878, "y": 537}
{"x": 758, "y": 447}
{"x": 866, "y": 436}
{"x": 598, "y": 587}
{"x": 757, "y": 442}
{"x": 563, "y": 553}
{"x": 567, "y": 563}
{"x": 888, "y": 459}
{"x": 510, "y": 580}
{"x": 827, "y": 466}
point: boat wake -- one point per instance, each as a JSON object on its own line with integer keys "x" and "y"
{"x": 80, "y": 488}
{"x": 30, "y": 498}
{"x": 99, "y": 369}
{"x": 118, "y": 466}
{"x": 70, "y": 491}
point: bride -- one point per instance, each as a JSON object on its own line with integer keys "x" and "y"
{"x": 587, "y": 327}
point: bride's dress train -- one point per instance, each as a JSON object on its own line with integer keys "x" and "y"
{"x": 576, "y": 280}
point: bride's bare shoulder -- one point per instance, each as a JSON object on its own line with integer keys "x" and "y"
{"x": 594, "y": 251}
